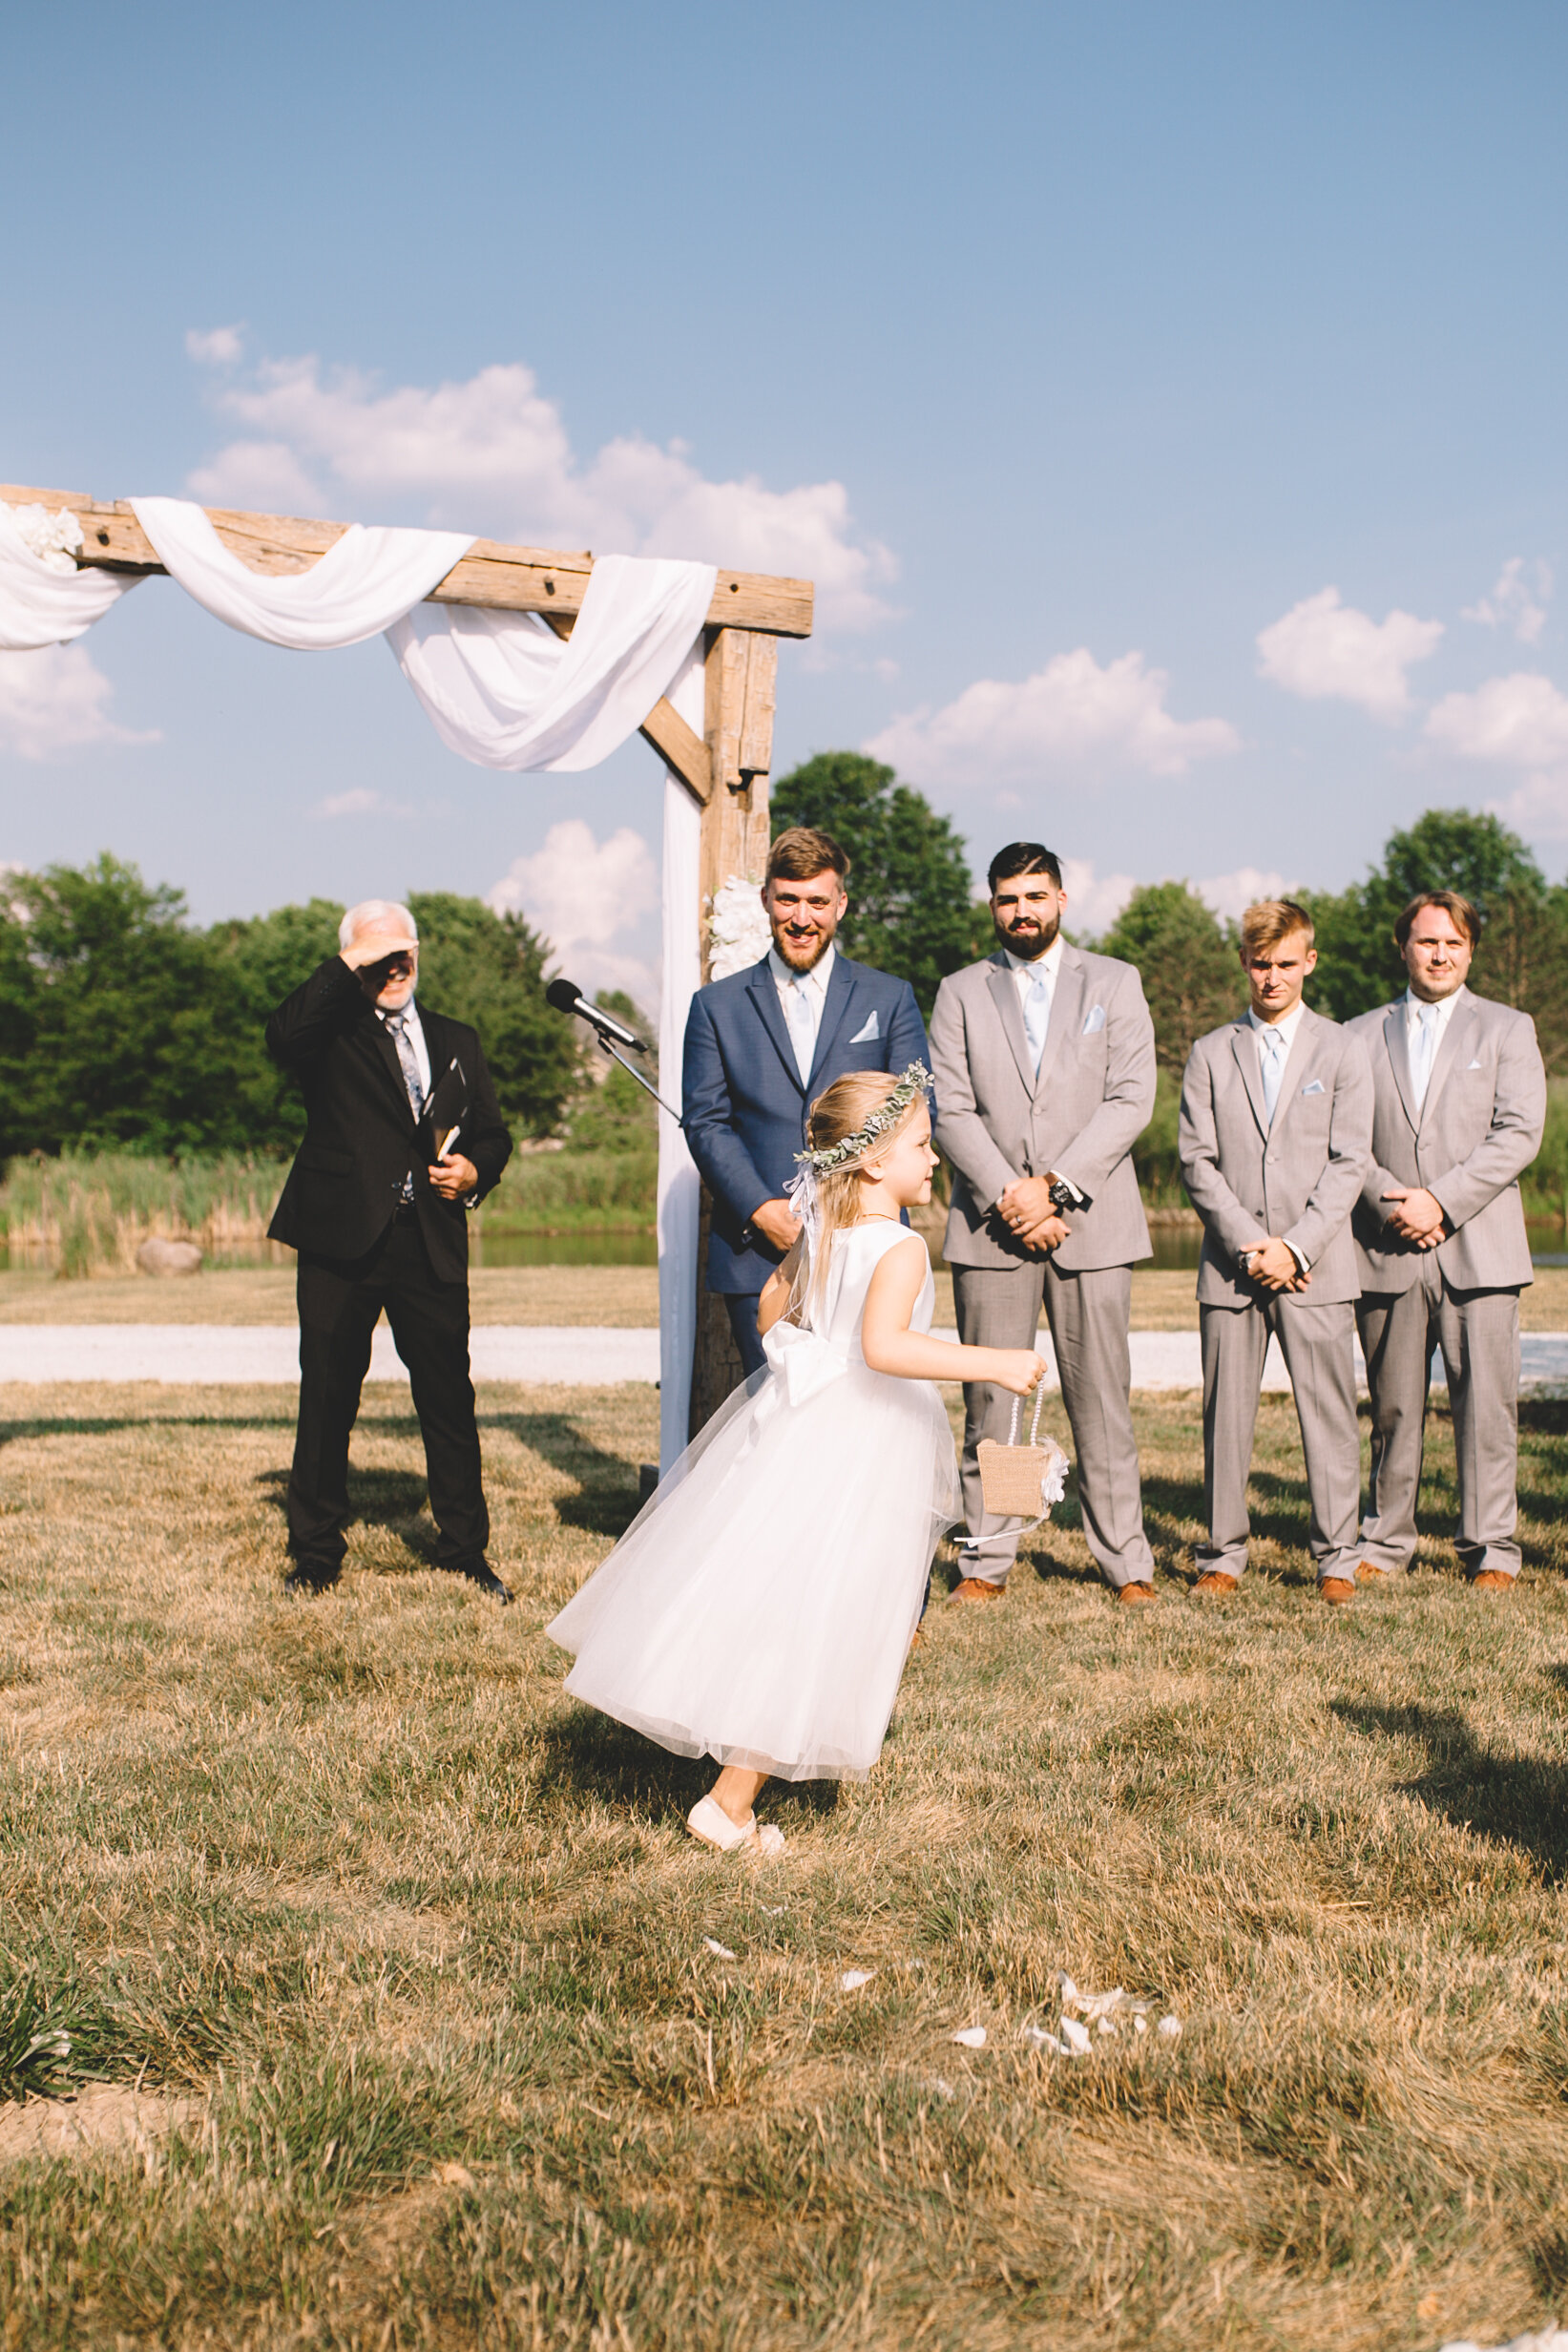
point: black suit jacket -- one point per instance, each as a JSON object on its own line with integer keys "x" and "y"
{"x": 360, "y": 1137}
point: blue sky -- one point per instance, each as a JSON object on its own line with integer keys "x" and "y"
{"x": 1167, "y": 401}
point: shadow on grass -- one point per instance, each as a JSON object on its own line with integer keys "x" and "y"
{"x": 587, "y": 1755}
{"x": 393, "y": 1499}
{"x": 606, "y": 1501}
{"x": 100, "y": 1425}
{"x": 1515, "y": 1801}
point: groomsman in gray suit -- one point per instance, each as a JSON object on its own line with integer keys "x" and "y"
{"x": 1043, "y": 1059}
{"x": 1275, "y": 1135}
{"x": 1460, "y": 1095}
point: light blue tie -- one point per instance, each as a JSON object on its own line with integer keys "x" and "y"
{"x": 1425, "y": 1053}
{"x": 803, "y": 1029}
{"x": 1037, "y": 1015}
{"x": 1273, "y": 1068}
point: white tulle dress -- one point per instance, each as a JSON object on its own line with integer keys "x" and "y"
{"x": 759, "y": 1608}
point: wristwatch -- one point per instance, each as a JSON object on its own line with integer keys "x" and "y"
{"x": 1065, "y": 1197}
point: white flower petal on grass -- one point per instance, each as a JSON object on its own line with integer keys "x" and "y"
{"x": 970, "y": 2037}
{"x": 1140, "y": 2025}
{"x": 1170, "y": 2027}
{"x": 720, "y": 1951}
{"x": 852, "y": 1979}
{"x": 1107, "y": 2024}
{"x": 1038, "y": 2038}
{"x": 1076, "y": 2036}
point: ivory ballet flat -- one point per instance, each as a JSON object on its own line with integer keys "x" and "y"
{"x": 711, "y": 1826}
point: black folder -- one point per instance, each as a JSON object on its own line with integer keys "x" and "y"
{"x": 446, "y": 1110}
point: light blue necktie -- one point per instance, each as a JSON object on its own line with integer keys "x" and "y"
{"x": 803, "y": 1029}
{"x": 1037, "y": 1015}
{"x": 397, "y": 1029}
{"x": 1273, "y": 1067}
{"x": 1424, "y": 1053}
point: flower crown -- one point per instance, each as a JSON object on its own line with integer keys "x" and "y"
{"x": 886, "y": 1117}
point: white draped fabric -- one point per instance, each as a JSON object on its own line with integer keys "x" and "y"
{"x": 503, "y": 689}
{"x": 679, "y": 1193}
{"x": 363, "y": 583}
{"x": 40, "y": 605}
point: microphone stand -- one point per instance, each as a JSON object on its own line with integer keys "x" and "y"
{"x": 637, "y": 1074}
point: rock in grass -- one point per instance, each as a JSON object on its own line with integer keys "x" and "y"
{"x": 164, "y": 1258}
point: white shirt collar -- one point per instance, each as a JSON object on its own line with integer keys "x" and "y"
{"x": 816, "y": 979}
{"x": 1286, "y": 1028}
{"x": 1416, "y": 1006}
{"x": 1050, "y": 963}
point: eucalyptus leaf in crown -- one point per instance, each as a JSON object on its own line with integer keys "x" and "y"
{"x": 848, "y": 1148}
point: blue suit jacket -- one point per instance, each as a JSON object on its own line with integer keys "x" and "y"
{"x": 744, "y": 1106}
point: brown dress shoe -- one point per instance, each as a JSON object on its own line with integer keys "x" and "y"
{"x": 1367, "y": 1572}
{"x": 1128, "y": 1596}
{"x": 1492, "y": 1579}
{"x": 976, "y": 1588}
{"x": 1337, "y": 1591}
{"x": 1216, "y": 1586}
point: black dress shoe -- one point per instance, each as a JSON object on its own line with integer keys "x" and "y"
{"x": 480, "y": 1572}
{"x": 309, "y": 1580}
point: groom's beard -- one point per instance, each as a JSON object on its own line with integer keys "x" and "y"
{"x": 1032, "y": 938}
{"x": 803, "y": 954}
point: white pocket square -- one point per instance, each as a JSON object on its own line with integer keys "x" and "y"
{"x": 868, "y": 1035}
{"x": 1313, "y": 1086}
{"x": 1095, "y": 1023}
{"x": 1476, "y": 1065}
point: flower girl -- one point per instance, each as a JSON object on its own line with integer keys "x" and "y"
{"x": 760, "y": 1608}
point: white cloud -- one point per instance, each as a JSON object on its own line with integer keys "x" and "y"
{"x": 1323, "y": 649}
{"x": 583, "y": 894}
{"x": 493, "y": 453}
{"x": 1519, "y": 722}
{"x": 1513, "y": 603}
{"x": 56, "y": 701}
{"x": 361, "y": 802}
{"x": 1093, "y": 901}
{"x": 1069, "y": 714}
{"x": 1232, "y": 894}
{"x": 215, "y": 346}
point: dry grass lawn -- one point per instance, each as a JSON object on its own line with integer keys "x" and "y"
{"x": 623, "y": 1296}
{"x": 403, "y": 1954}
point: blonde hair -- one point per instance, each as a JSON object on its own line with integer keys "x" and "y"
{"x": 840, "y": 1111}
{"x": 1269, "y": 921}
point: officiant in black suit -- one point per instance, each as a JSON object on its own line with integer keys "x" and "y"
{"x": 377, "y": 1209}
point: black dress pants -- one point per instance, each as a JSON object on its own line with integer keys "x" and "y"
{"x": 340, "y": 1303}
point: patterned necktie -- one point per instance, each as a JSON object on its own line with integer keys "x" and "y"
{"x": 397, "y": 1028}
{"x": 1037, "y": 1015}
{"x": 803, "y": 1029}
{"x": 1425, "y": 1053}
{"x": 1273, "y": 1068}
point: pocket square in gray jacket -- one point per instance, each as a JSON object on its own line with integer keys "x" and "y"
{"x": 1313, "y": 1086}
{"x": 867, "y": 1036}
{"x": 1094, "y": 1021}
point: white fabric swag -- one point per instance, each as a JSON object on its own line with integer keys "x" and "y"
{"x": 501, "y": 690}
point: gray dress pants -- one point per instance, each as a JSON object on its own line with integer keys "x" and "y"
{"x": 999, "y": 1306}
{"x": 1318, "y": 1344}
{"x": 1478, "y": 1333}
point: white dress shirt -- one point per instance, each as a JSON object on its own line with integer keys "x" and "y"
{"x": 410, "y": 1014}
{"x": 1415, "y": 1007}
{"x": 1284, "y": 1027}
{"x": 807, "y": 988}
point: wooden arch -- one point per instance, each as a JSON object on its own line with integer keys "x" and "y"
{"x": 725, "y": 767}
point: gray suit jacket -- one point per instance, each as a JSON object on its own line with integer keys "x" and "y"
{"x": 1478, "y": 1129}
{"x": 997, "y": 1120}
{"x": 1300, "y": 1177}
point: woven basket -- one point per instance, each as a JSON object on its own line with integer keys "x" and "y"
{"x": 1012, "y": 1477}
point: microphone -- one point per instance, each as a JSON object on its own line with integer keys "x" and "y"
{"x": 568, "y": 997}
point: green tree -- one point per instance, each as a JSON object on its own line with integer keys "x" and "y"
{"x": 612, "y": 1112}
{"x": 262, "y": 960}
{"x": 1191, "y": 973}
{"x": 487, "y": 968}
{"x": 132, "y": 1040}
{"x": 910, "y": 895}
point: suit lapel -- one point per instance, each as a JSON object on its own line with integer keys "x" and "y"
{"x": 764, "y": 995}
{"x": 1004, "y": 995}
{"x": 1300, "y": 1069}
{"x": 1458, "y": 1038}
{"x": 841, "y": 993}
{"x": 1066, "y": 1012}
{"x": 1399, "y": 1060}
{"x": 1244, "y": 1046}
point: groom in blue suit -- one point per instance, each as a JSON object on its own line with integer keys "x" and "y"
{"x": 762, "y": 1045}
